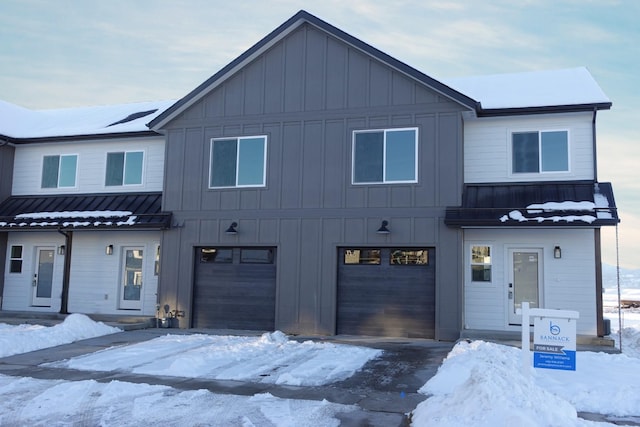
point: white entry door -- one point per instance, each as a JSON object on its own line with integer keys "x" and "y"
{"x": 525, "y": 281}
{"x": 131, "y": 279}
{"x": 43, "y": 277}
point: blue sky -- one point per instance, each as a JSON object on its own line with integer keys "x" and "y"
{"x": 70, "y": 53}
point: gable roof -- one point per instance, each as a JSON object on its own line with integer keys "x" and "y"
{"x": 20, "y": 125}
{"x": 571, "y": 89}
{"x": 278, "y": 34}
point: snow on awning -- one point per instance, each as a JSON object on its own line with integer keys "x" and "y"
{"x": 88, "y": 211}
{"x": 585, "y": 204}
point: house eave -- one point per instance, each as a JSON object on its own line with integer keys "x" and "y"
{"x": 83, "y": 137}
{"x": 571, "y": 108}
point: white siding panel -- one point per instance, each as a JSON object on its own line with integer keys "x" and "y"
{"x": 92, "y": 161}
{"x": 487, "y": 147}
{"x": 94, "y": 286}
{"x": 568, "y": 283}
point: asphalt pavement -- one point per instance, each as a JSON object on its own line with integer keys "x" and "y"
{"x": 385, "y": 389}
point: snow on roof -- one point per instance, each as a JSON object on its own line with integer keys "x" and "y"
{"x": 572, "y": 86}
{"x": 18, "y": 122}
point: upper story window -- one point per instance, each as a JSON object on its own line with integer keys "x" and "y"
{"x": 238, "y": 162}
{"x": 385, "y": 156}
{"x": 124, "y": 168}
{"x": 535, "y": 152}
{"x": 59, "y": 171}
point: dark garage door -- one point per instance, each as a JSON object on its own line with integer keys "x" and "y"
{"x": 234, "y": 288}
{"x": 386, "y": 292}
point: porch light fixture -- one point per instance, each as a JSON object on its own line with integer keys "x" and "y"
{"x": 108, "y": 250}
{"x": 557, "y": 252}
{"x": 61, "y": 250}
{"x": 232, "y": 229}
{"x": 383, "y": 227}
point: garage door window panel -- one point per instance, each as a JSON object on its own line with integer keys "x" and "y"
{"x": 216, "y": 255}
{"x": 256, "y": 256}
{"x": 409, "y": 257}
{"x": 362, "y": 256}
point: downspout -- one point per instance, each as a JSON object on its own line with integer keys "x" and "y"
{"x": 66, "y": 271}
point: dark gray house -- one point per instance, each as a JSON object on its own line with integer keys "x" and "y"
{"x": 308, "y": 182}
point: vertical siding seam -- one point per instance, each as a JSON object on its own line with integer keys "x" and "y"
{"x": 304, "y": 77}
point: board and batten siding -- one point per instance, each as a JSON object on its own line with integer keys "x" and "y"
{"x": 91, "y": 167}
{"x": 307, "y": 94}
{"x": 94, "y": 286}
{"x": 568, "y": 283}
{"x": 487, "y": 147}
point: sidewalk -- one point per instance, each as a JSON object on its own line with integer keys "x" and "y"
{"x": 385, "y": 389}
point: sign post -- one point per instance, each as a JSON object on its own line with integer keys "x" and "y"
{"x": 554, "y": 338}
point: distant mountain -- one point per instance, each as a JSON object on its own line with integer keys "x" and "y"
{"x": 629, "y": 278}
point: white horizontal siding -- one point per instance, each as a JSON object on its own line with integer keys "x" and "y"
{"x": 568, "y": 283}
{"x": 487, "y": 147}
{"x": 94, "y": 286}
{"x": 92, "y": 161}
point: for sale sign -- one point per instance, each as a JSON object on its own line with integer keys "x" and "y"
{"x": 554, "y": 343}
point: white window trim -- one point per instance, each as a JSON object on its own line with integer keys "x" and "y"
{"x": 239, "y": 138}
{"x": 534, "y": 174}
{"x": 471, "y": 263}
{"x": 124, "y": 168}
{"x": 60, "y": 156}
{"x": 384, "y": 156}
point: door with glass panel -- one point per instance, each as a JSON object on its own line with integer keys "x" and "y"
{"x": 525, "y": 281}
{"x": 43, "y": 277}
{"x": 131, "y": 278}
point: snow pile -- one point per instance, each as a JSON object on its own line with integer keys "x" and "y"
{"x": 25, "y": 338}
{"x": 482, "y": 384}
{"x": 26, "y": 401}
{"x": 271, "y": 358}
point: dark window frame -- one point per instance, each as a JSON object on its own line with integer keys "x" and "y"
{"x": 16, "y": 261}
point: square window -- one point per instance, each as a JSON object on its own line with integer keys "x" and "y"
{"x": 481, "y": 263}
{"x": 385, "y": 156}
{"x": 535, "y": 152}
{"x": 238, "y": 162}
{"x": 124, "y": 168}
{"x": 59, "y": 171}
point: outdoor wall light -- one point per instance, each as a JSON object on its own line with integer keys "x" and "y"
{"x": 383, "y": 227}
{"x": 557, "y": 252}
{"x": 108, "y": 250}
{"x": 232, "y": 228}
{"x": 61, "y": 250}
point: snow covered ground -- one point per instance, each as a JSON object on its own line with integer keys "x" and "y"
{"x": 479, "y": 383}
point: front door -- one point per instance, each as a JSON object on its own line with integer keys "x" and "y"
{"x": 131, "y": 287}
{"x": 43, "y": 278}
{"x": 525, "y": 277}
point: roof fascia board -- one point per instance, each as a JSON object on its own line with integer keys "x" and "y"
{"x": 281, "y": 32}
{"x": 495, "y": 112}
{"x": 69, "y": 138}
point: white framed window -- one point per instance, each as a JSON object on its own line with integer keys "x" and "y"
{"x": 15, "y": 259}
{"x": 59, "y": 171}
{"x": 124, "y": 168}
{"x": 385, "y": 156}
{"x": 481, "y": 263}
{"x": 540, "y": 151}
{"x": 238, "y": 162}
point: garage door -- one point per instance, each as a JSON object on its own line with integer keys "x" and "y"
{"x": 386, "y": 292}
{"x": 234, "y": 288}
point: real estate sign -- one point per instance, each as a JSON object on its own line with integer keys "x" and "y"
{"x": 554, "y": 343}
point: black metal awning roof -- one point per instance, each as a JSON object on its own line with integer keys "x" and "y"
{"x": 84, "y": 212}
{"x": 559, "y": 204}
